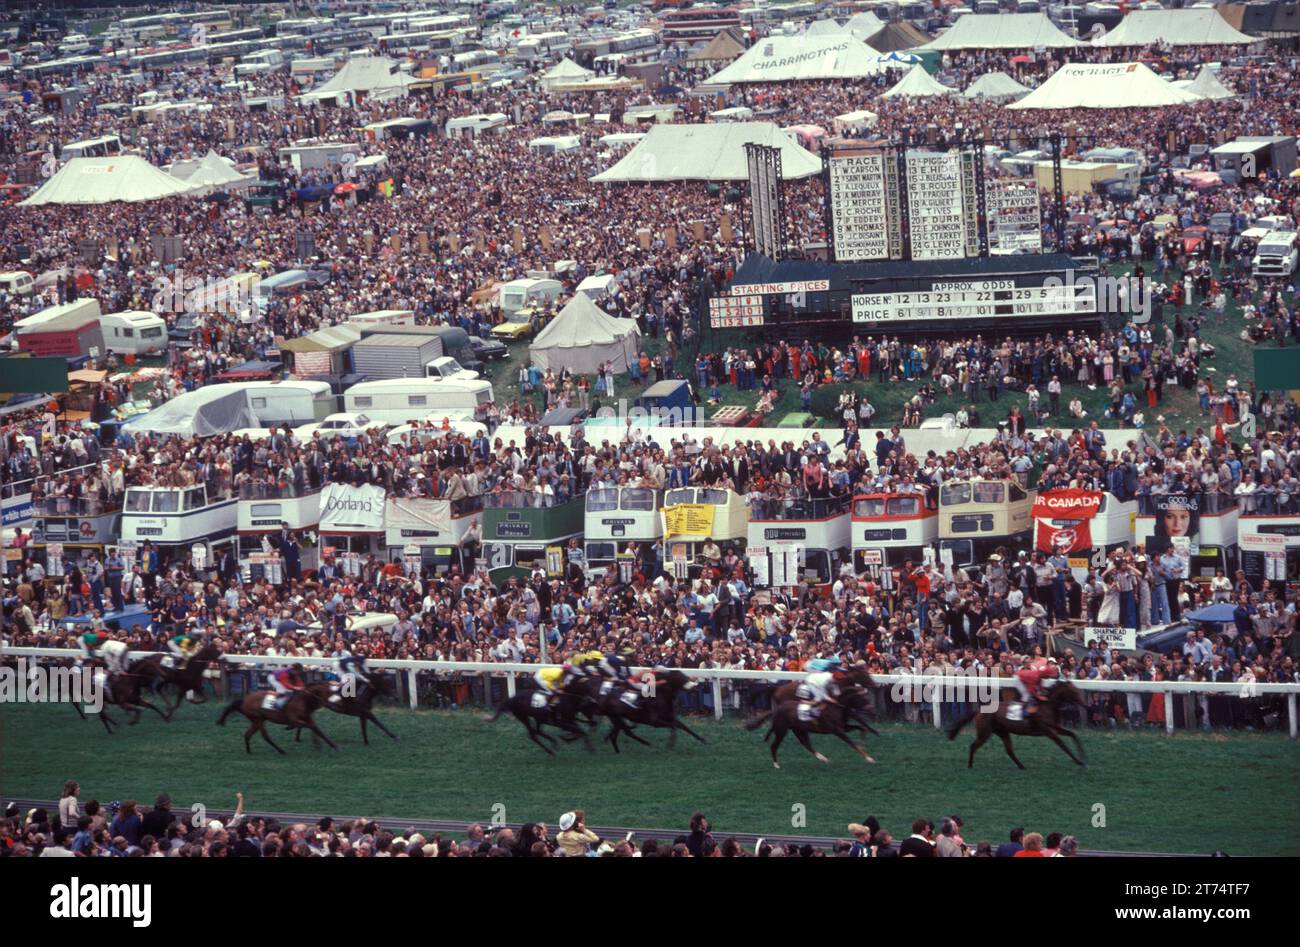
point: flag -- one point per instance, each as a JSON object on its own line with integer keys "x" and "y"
{"x": 1077, "y": 537}
{"x": 386, "y": 187}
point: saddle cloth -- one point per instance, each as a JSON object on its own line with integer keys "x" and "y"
{"x": 274, "y": 701}
{"x": 606, "y": 687}
{"x": 539, "y": 700}
{"x": 630, "y": 697}
{"x": 1016, "y": 711}
{"x": 168, "y": 661}
{"x": 808, "y": 711}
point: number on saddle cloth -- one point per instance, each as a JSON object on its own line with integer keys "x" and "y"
{"x": 630, "y": 697}
{"x": 808, "y": 711}
{"x": 539, "y": 700}
{"x": 168, "y": 661}
{"x": 1016, "y": 711}
{"x": 606, "y": 687}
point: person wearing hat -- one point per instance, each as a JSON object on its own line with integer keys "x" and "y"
{"x": 575, "y": 838}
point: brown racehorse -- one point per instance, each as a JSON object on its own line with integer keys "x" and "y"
{"x": 296, "y": 712}
{"x": 358, "y": 705}
{"x": 1045, "y": 723}
{"x": 856, "y": 676}
{"x": 625, "y": 707}
{"x": 186, "y": 679}
{"x": 834, "y": 719}
{"x": 121, "y": 690}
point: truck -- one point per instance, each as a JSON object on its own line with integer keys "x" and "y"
{"x": 1252, "y": 155}
{"x": 70, "y": 330}
{"x": 1275, "y": 255}
{"x": 384, "y": 354}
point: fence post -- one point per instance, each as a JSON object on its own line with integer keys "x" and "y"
{"x": 936, "y": 706}
{"x": 1290, "y": 713}
{"x": 717, "y": 697}
{"x": 410, "y": 683}
{"x": 510, "y": 687}
{"x": 1169, "y": 712}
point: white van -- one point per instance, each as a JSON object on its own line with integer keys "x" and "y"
{"x": 17, "y": 283}
{"x": 599, "y": 287}
{"x": 291, "y": 402}
{"x": 447, "y": 367}
{"x": 401, "y": 400}
{"x": 520, "y": 293}
{"x": 1276, "y": 254}
{"x": 383, "y": 317}
{"x": 471, "y": 126}
{"x": 133, "y": 332}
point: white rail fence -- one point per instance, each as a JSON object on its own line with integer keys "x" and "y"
{"x": 932, "y": 689}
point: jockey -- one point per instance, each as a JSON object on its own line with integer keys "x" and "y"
{"x": 287, "y": 679}
{"x": 821, "y": 684}
{"x": 92, "y": 643}
{"x": 1031, "y": 682}
{"x": 587, "y": 663}
{"x": 183, "y": 645}
{"x": 550, "y": 680}
{"x": 614, "y": 666}
{"x": 114, "y": 654}
{"x": 351, "y": 667}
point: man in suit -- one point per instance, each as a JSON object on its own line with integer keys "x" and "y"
{"x": 918, "y": 844}
{"x": 883, "y": 448}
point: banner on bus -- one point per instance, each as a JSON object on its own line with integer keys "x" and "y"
{"x": 1069, "y": 504}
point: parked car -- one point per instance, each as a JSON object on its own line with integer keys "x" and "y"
{"x": 345, "y": 424}
{"x": 489, "y": 349}
{"x": 181, "y": 333}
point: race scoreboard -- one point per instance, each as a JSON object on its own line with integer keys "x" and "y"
{"x": 735, "y": 312}
{"x": 952, "y": 300}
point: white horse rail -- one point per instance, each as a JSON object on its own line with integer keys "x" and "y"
{"x": 927, "y": 688}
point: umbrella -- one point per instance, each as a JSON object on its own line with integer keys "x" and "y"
{"x": 347, "y": 187}
{"x": 1021, "y": 59}
{"x": 1213, "y": 613}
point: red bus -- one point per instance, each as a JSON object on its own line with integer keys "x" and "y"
{"x": 697, "y": 24}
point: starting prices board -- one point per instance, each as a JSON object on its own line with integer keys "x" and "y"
{"x": 732, "y": 312}
{"x": 975, "y": 299}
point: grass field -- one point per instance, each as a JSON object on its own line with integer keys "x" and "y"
{"x": 1187, "y": 793}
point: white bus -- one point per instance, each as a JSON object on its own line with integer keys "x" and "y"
{"x": 617, "y": 516}
{"x": 401, "y": 400}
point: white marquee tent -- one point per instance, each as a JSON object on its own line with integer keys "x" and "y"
{"x": 1002, "y": 31}
{"x": 377, "y": 76}
{"x": 565, "y": 71}
{"x": 1174, "y": 28}
{"x": 212, "y": 172}
{"x": 1206, "y": 84}
{"x": 582, "y": 337}
{"x": 863, "y": 25}
{"x": 825, "y": 28}
{"x": 995, "y": 85}
{"x": 791, "y": 58}
{"x": 710, "y": 152}
{"x": 916, "y": 84}
{"x": 1104, "y": 86}
{"x": 104, "y": 180}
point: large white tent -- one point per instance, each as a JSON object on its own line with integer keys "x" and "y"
{"x": 1174, "y": 28}
{"x": 565, "y": 71}
{"x": 377, "y": 76}
{"x": 104, "y": 180}
{"x": 1104, "y": 86}
{"x": 1207, "y": 85}
{"x": 211, "y": 173}
{"x": 825, "y": 28}
{"x": 995, "y": 85}
{"x": 791, "y": 58}
{"x": 583, "y": 337}
{"x": 1002, "y": 31}
{"x": 916, "y": 84}
{"x": 711, "y": 152}
{"x": 864, "y": 24}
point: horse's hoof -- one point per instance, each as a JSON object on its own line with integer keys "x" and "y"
{"x": 777, "y": 765}
{"x": 823, "y": 759}
{"x": 869, "y": 759}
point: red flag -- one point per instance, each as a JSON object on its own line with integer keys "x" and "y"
{"x": 1064, "y": 539}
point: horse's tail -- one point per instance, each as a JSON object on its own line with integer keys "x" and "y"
{"x": 232, "y": 707}
{"x": 753, "y": 723}
{"x": 956, "y": 728}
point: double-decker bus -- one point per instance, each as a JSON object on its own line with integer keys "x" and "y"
{"x": 696, "y": 24}
{"x": 617, "y": 516}
{"x": 979, "y": 517}
{"x": 634, "y": 46}
{"x": 818, "y": 526}
{"x": 891, "y": 528}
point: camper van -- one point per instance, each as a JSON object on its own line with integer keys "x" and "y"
{"x": 599, "y": 287}
{"x": 401, "y": 400}
{"x": 1275, "y": 255}
{"x": 134, "y": 332}
{"x": 520, "y": 293}
{"x": 17, "y": 283}
{"x": 471, "y": 126}
{"x": 291, "y": 402}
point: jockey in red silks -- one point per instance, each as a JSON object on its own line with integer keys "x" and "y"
{"x": 1030, "y": 682}
{"x": 287, "y": 679}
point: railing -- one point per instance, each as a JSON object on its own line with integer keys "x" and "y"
{"x": 75, "y": 506}
{"x": 13, "y": 488}
{"x": 261, "y": 490}
{"x": 931, "y": 693}
{"x": 1268, "y": 504}
{"x": 799, "y": 508}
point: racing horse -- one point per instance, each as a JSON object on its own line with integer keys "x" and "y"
{"x": 856, "y": 676}
{"x": 834, "y": 718}
{"x": 532, "y": 707}
{"x": 1006, "y": 723}
{"x": 626, "y": 707}
{"x": 358, "y": 705}
{"x": 122, "y": 691}
{"x": 161, "y": 674}
{"x": 295, "y": 712}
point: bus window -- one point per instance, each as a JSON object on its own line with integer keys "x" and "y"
{"x": 1016, "y": 492}
{"x": 869, "y": 506}
{"x": 598, "y": 500}
{"x": 989, "y": 493}
{"x": 599, "y": 552}
{"x": 963, "y": 550}
{"x": 817, "y": 565}
{"x": 952, "y": 493}
{"x": 716, "y": 497}
{"x": 167, "y": 501}
{"x": 636, "y": 498}
{"x": 137, "y": 501}
{"x": 528, "y": 556}
{"x": 675, "y": 497}
{"x": 904, "y": 506}
{"x": 194, "y": 498}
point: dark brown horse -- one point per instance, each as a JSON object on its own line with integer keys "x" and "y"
{"x": 355, "y": 705}
{"x": 856, "y": 676}
{"x": 536, "y": 710}
{"x": 625, "y": 706}
{"x": 122, "y": 691}
{"x": 995, "y": 719}
{"x": 156, "y": 670}
{"x": 833, "y": 718}
{"x": 293, "y": 713}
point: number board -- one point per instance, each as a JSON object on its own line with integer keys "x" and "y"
{"x": 980, "y": 299}
{"x": 732, "y": 312}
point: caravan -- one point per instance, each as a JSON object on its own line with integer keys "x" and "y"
{"x": 401, "y": 400}
{"x": 134, "y": 332}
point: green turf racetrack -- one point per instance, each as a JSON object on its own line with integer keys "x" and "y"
{"x": 1187, "y": 793}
